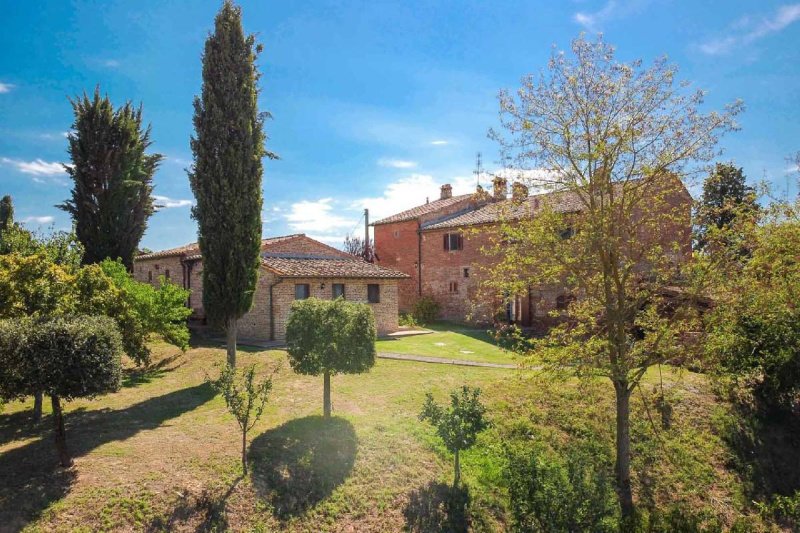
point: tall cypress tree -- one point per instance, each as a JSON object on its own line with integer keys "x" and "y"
{"x": 113, "y": 178}
{"x": 6, "y": 213}
{"x": 226, "y": 176}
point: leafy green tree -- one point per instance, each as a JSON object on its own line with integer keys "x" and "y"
{"x": 245, "y": 398}
{"x": 6, "y": 213}
{"x": 329, "y": 337}
{"x": 228, "y": 146}
{"x": 617, "y": 138}
{"x": 66, "y": 358}
{"x": 459, "y": 424}
{"x": 726, "y": 196}
{"x": 113, "y": 178}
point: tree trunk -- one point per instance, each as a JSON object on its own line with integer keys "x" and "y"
{"x": 457, "y": 478}
{"x": 37, "y": 406}
{"x": 244, "y": 452}
{"x": 230, "y": 333}
{"x": 623, "y": 463}
{"x": 61, "y": 435}
{"x": 326, "y": 395}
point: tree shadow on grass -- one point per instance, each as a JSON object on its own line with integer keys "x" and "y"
{"x": 133, "y": 377}
{"x": 31, "y": 477}
{"x": 438, "y": 507}
{"x": 301, "y": 462}
{"x": 207, "y": 508}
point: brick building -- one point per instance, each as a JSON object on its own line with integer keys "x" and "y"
{"x": 438, "y": 244}
{"x": 292, "y": 267}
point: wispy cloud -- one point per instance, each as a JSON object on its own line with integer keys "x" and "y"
{"x": 38, "y": 220}
{"x": 611, "y": 10}
{"x": 5, "y": 87}
{"x": 317, "y": 216}
{"x": 111, "y": 63}
{"x": 397, "y": 163}
{"x": 439, "y": 142}
{"x": 54, "y": 136}
{"x": 748, "y": 30}
{"x": 165, "y": 202}
{"x": 182, "y": 161}
{"x": 37, "y": 167}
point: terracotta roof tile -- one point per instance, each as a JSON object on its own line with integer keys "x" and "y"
{"x": 193, "y": 249}
{"x": 309, "y": 266}
{"x": 421, "y": 210}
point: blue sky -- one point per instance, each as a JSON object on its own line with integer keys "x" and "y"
{"x": 376, "y": 104}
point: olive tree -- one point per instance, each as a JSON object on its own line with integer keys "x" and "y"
{"x": 65, "y": 358}
{"x": 459, "y": 424}
{"x": 245, "y": 398}
{"x": 617, "y": 139}
{"x": 330, "y": 337}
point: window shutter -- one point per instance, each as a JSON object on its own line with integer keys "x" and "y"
{"x": 446, "y": 241}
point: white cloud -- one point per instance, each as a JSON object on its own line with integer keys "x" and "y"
{"x": 611, "y": 10}
{"x": 37, "y": 167}
{"x": 111, "y": 63}
{"x": 38, "y": 220}
{"x": 317, "y": 216}
{"x": 439, "y": 142}
{"x": 164, "y": 202}
{"x": 748, "y": 30}
{"x": 182, "y": 161}
{"x": 5, "y": 87}
{"x": 397, "y": 163}
{"x": 53, "y": 136}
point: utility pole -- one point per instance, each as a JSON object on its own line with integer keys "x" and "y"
{"x": 367, "y": 251}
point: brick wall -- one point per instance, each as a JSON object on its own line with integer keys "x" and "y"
{"x": 396, "y": 246}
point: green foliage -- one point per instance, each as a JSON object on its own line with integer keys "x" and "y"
{"x": 459, "y": 424}
{"x": 228, "y": 146}
{"x": 67, "y": 357}
{"x": 60, "y": 247}
{"x": 112, "y": 193}
{"x": 245, "y": 398}
{"x": 161, "y": 311}
{"x": 330, "y": 336}
{"x": 726, "y": 196}
{"x": 408, "y": 320}
{"x": 426, "y": 310}
{"x": 547, "y": 492}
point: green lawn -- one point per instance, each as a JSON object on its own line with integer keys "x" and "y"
{"x": 162, "y": 454}
{"x": 450, "y": 341}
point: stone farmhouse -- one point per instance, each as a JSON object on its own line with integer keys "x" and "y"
{"x": 293, "y": 267}
{"x": 438, "y": 244}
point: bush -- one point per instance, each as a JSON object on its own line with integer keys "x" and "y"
{"x": 426, "y": 310}
{"x": 408, "y": 320}
{"x": 560, "y": 494}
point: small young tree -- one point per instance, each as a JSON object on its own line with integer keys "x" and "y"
{"x": 330, "y": 337}
{"x": 228, "y": 146}
{"x": 458, "y": 425}
{"x": 113, "y": 175}
{"x": 245, "y": 398}
{"x": 66, "y": 358}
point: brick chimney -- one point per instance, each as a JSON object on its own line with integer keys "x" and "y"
{"x": 519, "y": 191}
{"x": 447, "y": 192}
{"x": 500, "y": 188}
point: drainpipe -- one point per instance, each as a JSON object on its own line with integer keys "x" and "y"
{"x": 419, "y": 259}
{"x": 272, "y": 310}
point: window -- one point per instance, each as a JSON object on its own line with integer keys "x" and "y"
{"x": 563, "y": 301}
{"x": 302, "y": 291}
{"x": 373, "y": 293}
{"x": 156, "y": 265}
{"x": 338, "y": 290}
{"x": 453, "y": 242}
{"x": 166, "y": 273}
{"x": 150, "y": 276}
{"x": 466, "y": 272}
{"x": 396, "y": 234}
{"x": 567, "y": 233}
{"x": 453, "y": 286}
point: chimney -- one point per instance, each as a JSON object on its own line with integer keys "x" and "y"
{"x": 447, "y": 191}
{"x": 500, "y": 188}
{"x": 519, "y": 191}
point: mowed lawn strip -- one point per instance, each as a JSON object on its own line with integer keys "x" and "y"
{"x": 450, "y": 341}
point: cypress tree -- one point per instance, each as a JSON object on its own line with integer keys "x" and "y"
{"x": 6, "y": 213}
{"x": 113, "y": 178}
{"x": 226, "y": 175}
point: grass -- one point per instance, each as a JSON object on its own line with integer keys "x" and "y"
{"x": 452, "y": 342}
{"x": 162, "y": 454}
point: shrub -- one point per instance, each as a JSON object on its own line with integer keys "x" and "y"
{"x": 408, "y": 320}
{"x": 560, "y": 494}
{"x": 426, "y": 310}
